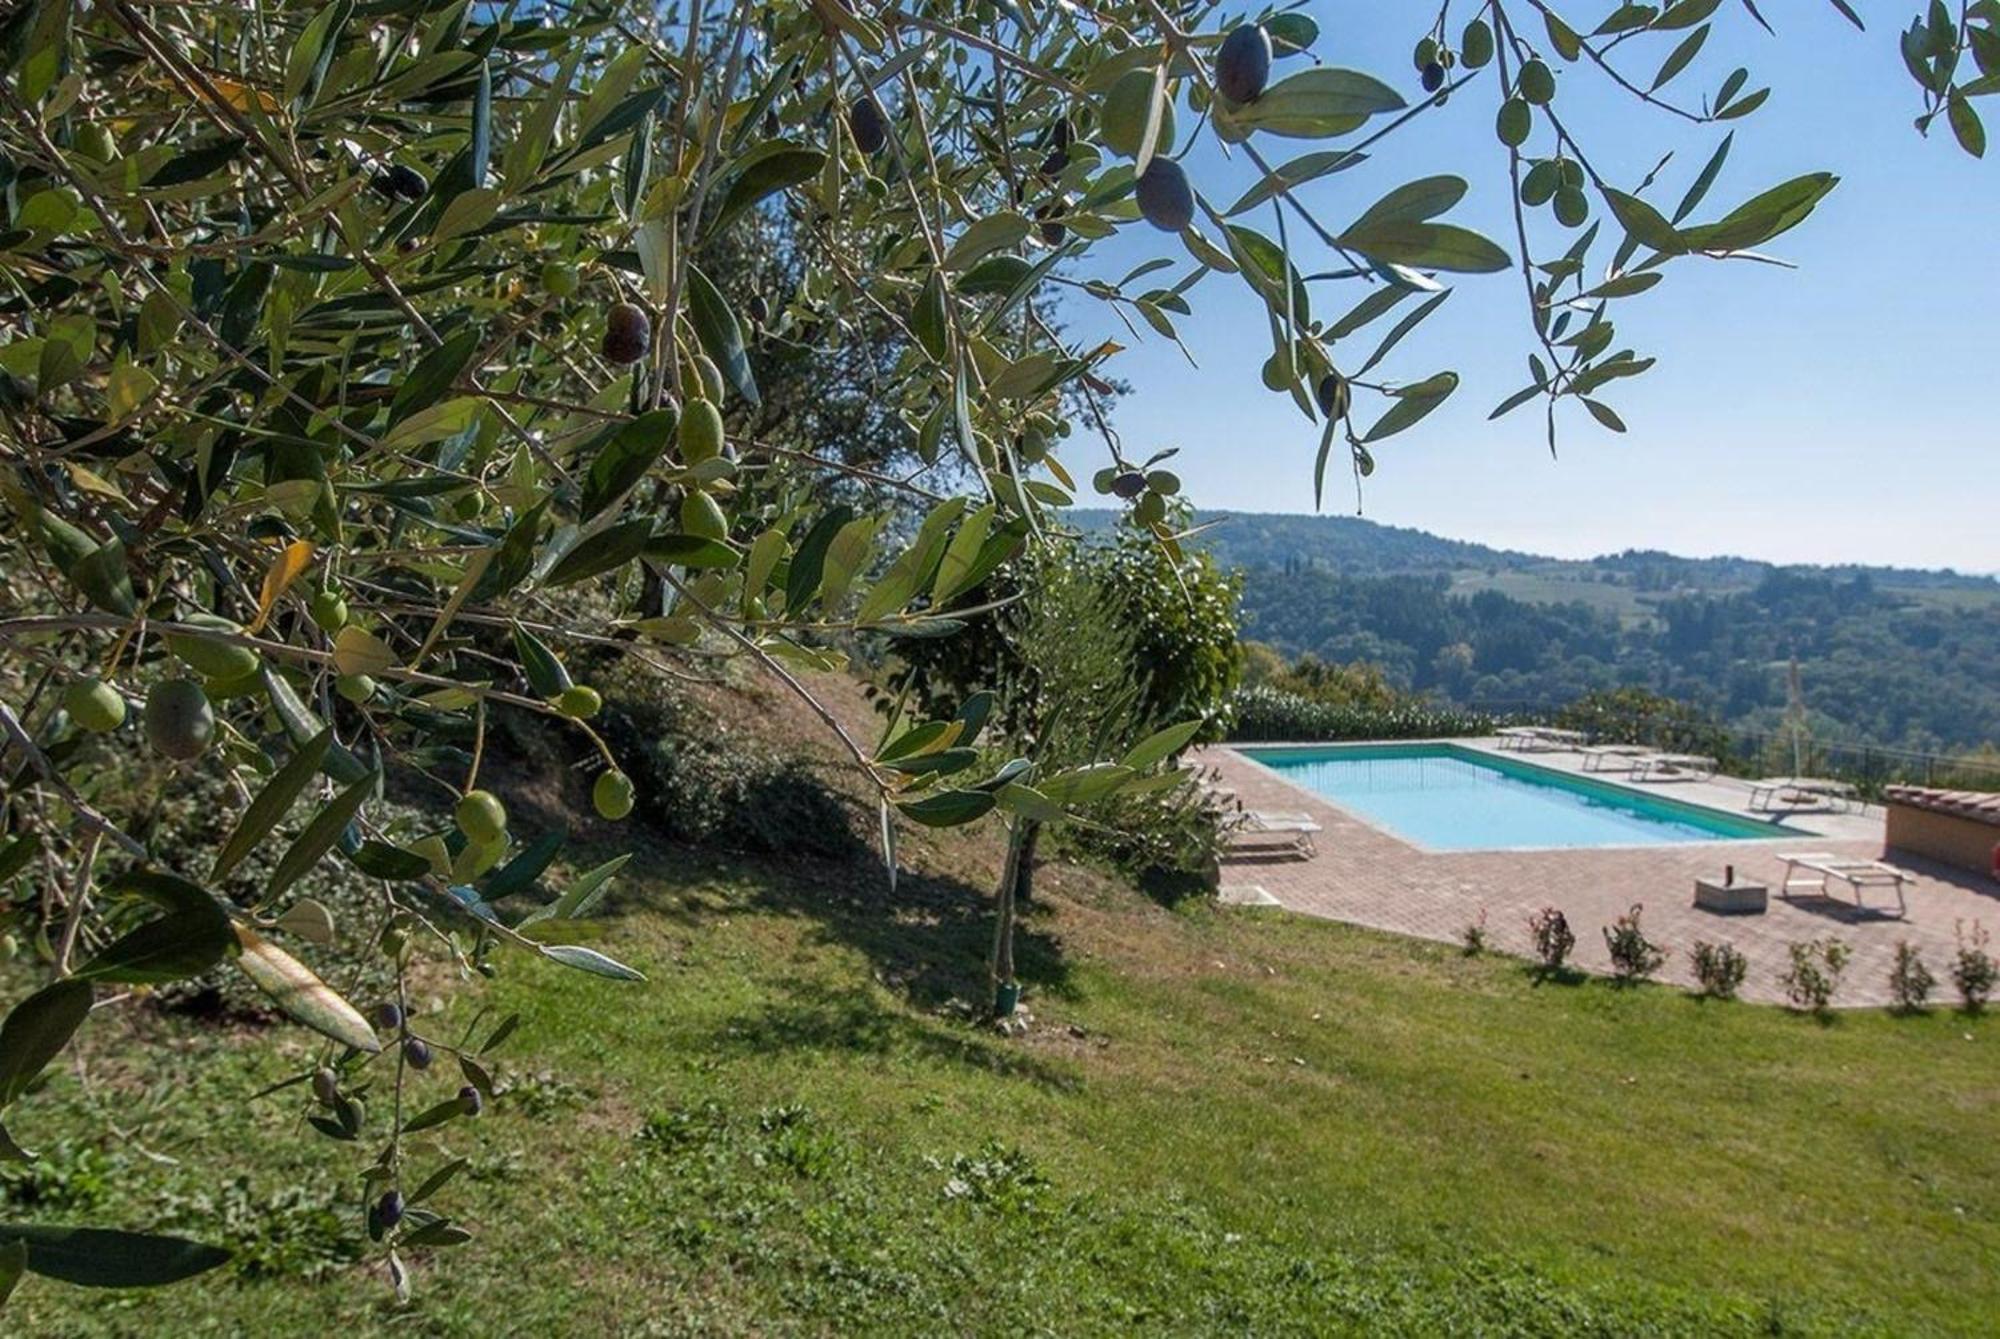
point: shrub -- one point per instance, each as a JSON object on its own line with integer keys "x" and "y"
{"x": 1553, "y": 939}
{"x": 1720, "y": 969}
{"x": 1910, "y": 981}
{"x": 1814, "y": 976}
{"x": 1633, "y": 956}
{"x": 1973, "y": 970}
{"x": 1270, "y": 713}
{"x": 1474, "y": 935}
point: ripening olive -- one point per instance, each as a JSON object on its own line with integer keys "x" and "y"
{"x": 628, "y": 333}
{"x": 1243, "y": 65}
{"x": 389, "y": 1015}
{"x": 1335, "y": 396}
{"x": 470, "y": 1100}
{"x": 389, "y": 1209}
{"x": 418, "y": 1052}
{"x": 406, "y": 183}
{"x": 325, "y": 1086}
{"x": 1165, "y": 199}
{"x": 179, "y": 721}
{"x": 868, "y": 126}
{"x": 1433, "y": 77}
{"x": 1129, "y": 484}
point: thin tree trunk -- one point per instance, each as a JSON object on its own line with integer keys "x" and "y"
{"x": 1000, "y": 969}
{"x": 1024, "y": 871}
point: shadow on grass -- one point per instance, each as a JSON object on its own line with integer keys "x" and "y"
{"x": 1539, "y": 975}
{"x": 818, "y": 1017}
{"x": 927, "y": 940}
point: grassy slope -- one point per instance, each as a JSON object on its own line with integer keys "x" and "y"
{"x": 1218, "y": 1122}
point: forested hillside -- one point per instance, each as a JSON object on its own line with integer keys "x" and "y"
{"x": 1886, "y": 655}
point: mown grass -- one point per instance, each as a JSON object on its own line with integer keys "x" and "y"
{"x": 1219, "y": 1122}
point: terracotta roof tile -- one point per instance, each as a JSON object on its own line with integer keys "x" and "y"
{"x": 1975, "y": 804}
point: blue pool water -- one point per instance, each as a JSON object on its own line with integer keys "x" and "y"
{"x": 1453, "y": 799}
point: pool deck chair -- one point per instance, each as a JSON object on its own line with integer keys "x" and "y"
{"x": 1261, "y": 831}
{"x": 1792, "y": 794}
{"x": 1613, "y": 757}
{"x": 1563, "y": 741}
{"x": 1521, "y": 738}
{"x": 1673, "y": 767}
{"x": 1810, "y": 871}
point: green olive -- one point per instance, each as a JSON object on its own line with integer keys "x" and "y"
{"x": 481, "y": 816}
{"x": 559, "y": 280}
{"x": 94, "y": 705}
{"x": 329, "y": 610}
{"x": 355, "y": 687}
{"x": 579, "y": 702}
{"x": 612, "y": 795}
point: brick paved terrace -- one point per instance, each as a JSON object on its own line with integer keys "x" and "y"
{"x": 1365, "y": 875}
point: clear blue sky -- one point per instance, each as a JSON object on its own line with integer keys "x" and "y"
{"x": 1838, "y": 412}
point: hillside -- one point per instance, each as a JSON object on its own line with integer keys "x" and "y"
{"x": 1213, "y": 1122}
{"x": 1887, "y": 656}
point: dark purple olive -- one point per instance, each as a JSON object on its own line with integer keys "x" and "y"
{"x": 470, "y": 1101}
{"x": 388, "y": 1015}
{"x": 760, "y": 310}
{"x": 407, "y": 183}
{"x": 1243, "y": 65}
{"x": 418, "y": 1052}
{"x": 1165, "y": 199}
{"x": 389, "y": 1209}
{"x": 1053, "y": 230}
{"x": 1334, "y": 395}
{"x": 1129, "y": 484}
{"x": 866, "y": 124}
{"x": 628, "y": 333}
{"x": 1433, "y": 77}
{"x": 1053, "y": 165}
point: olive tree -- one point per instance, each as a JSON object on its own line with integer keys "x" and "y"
{"x": 362, "y": 372}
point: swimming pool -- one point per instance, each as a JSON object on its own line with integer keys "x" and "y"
{"x": 1449, "y": 798}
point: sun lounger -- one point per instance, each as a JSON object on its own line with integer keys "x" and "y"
{"x": 1520, "y": 738}
{"x": 1262, "y": 831}
{"x": 1673, "y": 767}
{"x": 1613, "y": 757}
{"x": 1819, "y": 866}
{"x": 1780, "y": 794}
{"x": 1562, "y": 740}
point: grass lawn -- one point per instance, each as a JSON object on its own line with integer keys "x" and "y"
{"x": 1219, "y": 1122}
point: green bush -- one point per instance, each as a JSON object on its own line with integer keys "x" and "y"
{"x": 1273, "y": 714}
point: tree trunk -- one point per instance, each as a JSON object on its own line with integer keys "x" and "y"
{"x": 1000, "y": 970}
{"x": 1024, "y": 867}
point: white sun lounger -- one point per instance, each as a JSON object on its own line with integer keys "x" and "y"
{"x": 1264, "y": 830}
{"x": 1613, "y": 757}
{"x": 1520, "y": 738}
{"x": 1779, "y": 794}
{"x": 1858, "y": 875}
{"x": 1673, "y": 767}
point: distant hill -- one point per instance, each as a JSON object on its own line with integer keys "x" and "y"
{"x": 1888, "y": 656}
